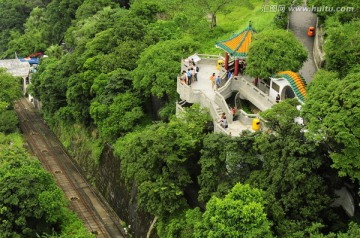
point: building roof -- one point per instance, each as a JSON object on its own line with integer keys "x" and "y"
{"x": 238, "y": 45}
{"x": 15, "y": 67}
{"x": 297, "y": 83}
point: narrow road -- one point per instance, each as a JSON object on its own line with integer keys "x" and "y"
{"x": 96, "y": 214}
{"x": 299, "y": 23}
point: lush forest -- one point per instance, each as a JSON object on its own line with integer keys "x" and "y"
{"x": 31, "y": 204}
{"x": 110, "y": 78}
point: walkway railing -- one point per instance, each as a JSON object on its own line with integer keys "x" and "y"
{"x": 255, "y": 95}
{"x": 220, "y": 101}
{"x": 248, "y": 90}
{"x": 197, "y": 96}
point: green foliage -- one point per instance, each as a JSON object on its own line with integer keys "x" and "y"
{"x": 8, "y": 121}
{"x": 281, "y": 19}
{"x": 331, "y": 115}
{"x": 120, "y": 117}
{"x": 181, "y": 226}
{"x": 240, "y": 214}
{"x": 88, "y": 8}
{"x": 224, "y": 162}
{"x": 85, "y": 29}
{"x": 58, "y": 15}
{"x": 273, "y": 51}
{"x": 9, "y": 87}
{"x": 159, "y": 65}
{"x": 342, "y": 46}
{"x": 296, "y": 193}
{"x": 32, "y": 41}
{"x": 9, "y": 91}
{"x": 339, "y": 10}
{"x": 12, "y": 18}
{"x": 82, "y": 143}
{"x": 78, "y": 95}
{"x": 31, "y": 204}
{"x": 50, "y": 85}
{"x": 159, "y": 160}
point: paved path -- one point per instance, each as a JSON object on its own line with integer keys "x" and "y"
{"x": 299, "y": 23}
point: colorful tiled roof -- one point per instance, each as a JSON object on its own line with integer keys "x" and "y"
{"x": 297, "y": 83}
{"x": 238, "y": 45}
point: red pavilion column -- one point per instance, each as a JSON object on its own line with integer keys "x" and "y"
{"x": 236, "y": 70}
{"x": 226, "y": 60}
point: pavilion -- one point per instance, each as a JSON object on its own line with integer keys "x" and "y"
{"x": 237, "y": 47}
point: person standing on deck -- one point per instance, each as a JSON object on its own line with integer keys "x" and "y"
{"x": 212, "y": 79}
{"x": 218, "y": 82}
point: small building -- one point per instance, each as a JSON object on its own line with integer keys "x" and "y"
{"x": 17, "y": 69}
{"x": 288, "y": 84}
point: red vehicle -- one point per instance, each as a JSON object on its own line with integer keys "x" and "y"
{"x": 311, "y": 31}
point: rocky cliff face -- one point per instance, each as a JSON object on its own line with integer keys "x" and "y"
{"x": 122, "y": 199}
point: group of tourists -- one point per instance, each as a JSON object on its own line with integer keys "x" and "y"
{"x": 190, "y": 76}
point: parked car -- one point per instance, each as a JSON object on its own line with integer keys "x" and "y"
{"x": 311, "y": 31}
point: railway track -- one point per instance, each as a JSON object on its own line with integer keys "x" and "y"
{"x": 97, "y": 216}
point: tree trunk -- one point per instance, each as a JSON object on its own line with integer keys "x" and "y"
{"x": 151, "y": 228}
{"x": 213, "y": 21}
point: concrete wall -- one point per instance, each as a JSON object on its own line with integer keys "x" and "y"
{"x": 254, "y": 95}
{"x": 318, "y": 53}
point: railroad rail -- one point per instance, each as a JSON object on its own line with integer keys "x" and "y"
{"x": 96, "y": 214}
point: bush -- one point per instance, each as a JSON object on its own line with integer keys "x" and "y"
{"x": 8, "y": 121}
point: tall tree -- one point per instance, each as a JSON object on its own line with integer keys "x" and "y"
{"x": 159, "y": 65}
{"x": 159, "y": 160}
{"x": 240, "y": 214}
{"x": 332, "y": 111}
{"x": 342, "y": 47}
{"x": 10, "y": 87}
{"x": 9, "y": 91}
{"x": 213, "y": 7}
{"x": 224, "y": 162}
{"x": 344, "y": 11}
{"x": 31, "y": 205}
{"x": 58, "y": 17}
{"x": 273, "y": 51}
{"x": 297, "y": 195}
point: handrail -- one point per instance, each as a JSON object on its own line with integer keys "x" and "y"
{"x": 220, "y": 100}
{"x": 198, "y": 96}
{"x": 226, "y": 85}
{"x": 210, "y": 56}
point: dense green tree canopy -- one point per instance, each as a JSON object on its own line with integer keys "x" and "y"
{"x": 296, "y": 193}
{"x": 224, "y": 162}
{"x": 9, "y": 91}
{"x": 273, "y": 51}
{"x": 240, "y": 214}
{"x": 346, "y": 10}
{"x": 31, "y": 204}
{"x": 332, "y": 111}
{"x": 342, "y": 47}
{"x": 159, "y": 65}
{"x": 107, "y": 64}
{"x": 10, "y": 87}
{"x": 159, "y": 160}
